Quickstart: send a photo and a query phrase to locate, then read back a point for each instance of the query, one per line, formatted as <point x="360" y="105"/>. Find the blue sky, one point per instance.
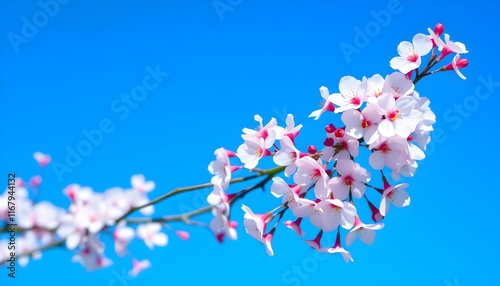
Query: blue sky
<point x="216" y="64"/>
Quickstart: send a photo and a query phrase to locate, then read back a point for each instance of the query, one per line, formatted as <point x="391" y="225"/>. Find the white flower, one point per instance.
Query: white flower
<point x="410" y="53"/>
<point x="122" y="235"/>
<point x="327" y="105"/>
<point x="352" y="94"/>
<point x="401" y="117"/>
<point x="151" y="235"/>
<point x="366" y="232"/>
<point x="352" y="178"/>
<point x="252" y="151"/>
<point x="139" y="266"/>
<point x="395" y="195"/>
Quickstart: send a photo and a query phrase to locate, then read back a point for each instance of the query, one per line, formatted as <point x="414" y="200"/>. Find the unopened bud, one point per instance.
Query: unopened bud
<point x="312" y="149"/>
<point x="438" y="29"/>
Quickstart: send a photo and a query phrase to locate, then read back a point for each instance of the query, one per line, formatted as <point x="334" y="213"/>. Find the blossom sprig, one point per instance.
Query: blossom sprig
<point x="324" y="187"/>
<point x="91" y="215"/>
<point x="385" y="115"/>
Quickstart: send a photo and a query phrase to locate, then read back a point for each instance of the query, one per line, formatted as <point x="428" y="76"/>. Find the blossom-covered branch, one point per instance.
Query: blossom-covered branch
<point x="321" y="186"/>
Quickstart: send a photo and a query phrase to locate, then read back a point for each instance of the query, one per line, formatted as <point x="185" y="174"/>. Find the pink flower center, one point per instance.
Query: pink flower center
<point x="412" y="58"/>
<point x="263" y="133"/>
<point x="385" y="148"/>
<point x="355" y="100"/>
<point x="258" y="152"/>
<point x="316" y="173"/>
<point x="393" y="115"/>
<point x="348" y="181"/>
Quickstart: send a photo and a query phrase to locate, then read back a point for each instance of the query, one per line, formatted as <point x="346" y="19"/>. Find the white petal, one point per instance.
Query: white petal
<point x="367" y="236"/>
<point x="384" y="206"/>
<point x="386" y="128"/>
<point x="405" y="49"/>
<point x="73" y="240"/>
<point x="376" y="160"/>
<point x="279" y="187"/>
<point x="350" y="237"/>
<point x="401" y="199"/>
<point x="160" y="239"/>
<point x="324" y="92"/>
<point x="422" y="44"/>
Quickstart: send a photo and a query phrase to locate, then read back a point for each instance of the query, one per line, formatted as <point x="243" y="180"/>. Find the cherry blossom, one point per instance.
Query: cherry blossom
<point x="352" y="94"/>
<point x="139" y="266"/>
<point x="252" y="151"/>
<point x="221" y="168"/>
<point x="337" y="248"/>
<point x="291" y="131"/>
<point x="217" y="196"/>
<point x="455" y="47"/>
<point x="140" y="184"/>
<point x="339" y="145"/>
<point x="376" y="216"/>
<point x="395" y="195"/>
<point x="310" y="171"/>
<point x="295" y="226"/>
<point x="366" y="232"/>
<point x="151" y="235"/>
<point x="330" y="213"/>
<point x="316" y="242"/>
<point x="288" y="193"/>
<point x="401" y="117"/>
<point x="122" y="235"/>
<point x="386" y="124"/>
<point x="269" y="133"/>
<point x="255" y="224"/>
<point x="408" y="169"/>
<point x="456" y="64"/>
<point x="35" y="181"/>
<point x="392" y="153"/>
<point x="398" y="85"/>
<point x="221" y="226"/>
<point x="424" y="127"/>
<point x="352" y="178"/>
<point x="91" y="256"/>
<point x="374" y="87"/>
<point x="267" y="239"/>
<point x="138" y="196"/>
<point x="362" y="124"/>
<point x="410" y="53"/>
<point x="42" y="159"/>
<point x="287" y="155"/>
<point x="327" y="106"/>
<point x="43" y="214"/>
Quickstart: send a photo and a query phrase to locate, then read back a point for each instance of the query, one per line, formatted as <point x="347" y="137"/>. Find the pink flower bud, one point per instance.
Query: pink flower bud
<point x="184" y="235"/>
<point x="35" y="181"/>
<point x="312" y="149"/>
<point x="328" y="142"/>
<point x="461" y="63"/>
<point x="339" y="133"/>
<point x="438" y="29"/>
<point x="330" y="128"/>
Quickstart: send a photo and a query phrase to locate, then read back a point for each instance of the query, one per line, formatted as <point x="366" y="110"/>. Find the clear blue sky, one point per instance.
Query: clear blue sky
<point x="69" y="73"/>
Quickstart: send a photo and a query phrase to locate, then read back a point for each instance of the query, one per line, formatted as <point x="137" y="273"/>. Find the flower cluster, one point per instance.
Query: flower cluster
<point x="385" y="128"/>
<point x="384" y="115"/>
<point x="79" y="227"/>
